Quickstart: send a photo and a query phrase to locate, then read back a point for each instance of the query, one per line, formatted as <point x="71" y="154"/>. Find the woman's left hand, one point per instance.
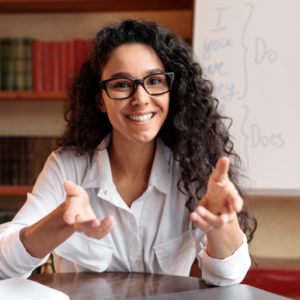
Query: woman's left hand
<point x="221" y="201"/>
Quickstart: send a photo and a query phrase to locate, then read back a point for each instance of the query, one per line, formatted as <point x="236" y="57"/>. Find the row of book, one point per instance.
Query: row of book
<point x="7" y="215"/>
<point x="22" y="158"/>
<point x="30" y="65"/>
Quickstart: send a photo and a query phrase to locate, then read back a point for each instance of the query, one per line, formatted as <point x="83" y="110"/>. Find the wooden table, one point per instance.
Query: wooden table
<point x="117" y="285"/>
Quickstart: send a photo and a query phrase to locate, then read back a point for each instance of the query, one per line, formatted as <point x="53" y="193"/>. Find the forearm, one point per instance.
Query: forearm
<point x="44" y="236"/>
<point x="223" y="242"/>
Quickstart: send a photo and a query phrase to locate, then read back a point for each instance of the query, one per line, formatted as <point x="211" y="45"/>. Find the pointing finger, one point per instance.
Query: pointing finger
<point x="234" y="198"/>
<point x="220" y="173"/>
<point x="73" y="189"/>
<point x="70" y="214"/>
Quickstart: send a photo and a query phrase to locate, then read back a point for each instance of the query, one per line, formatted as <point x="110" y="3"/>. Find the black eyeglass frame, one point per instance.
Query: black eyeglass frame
<point x="103" y="84"/>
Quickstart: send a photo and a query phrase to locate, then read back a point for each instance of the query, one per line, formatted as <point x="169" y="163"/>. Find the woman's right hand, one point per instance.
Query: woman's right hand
<point x="80" y="214"/>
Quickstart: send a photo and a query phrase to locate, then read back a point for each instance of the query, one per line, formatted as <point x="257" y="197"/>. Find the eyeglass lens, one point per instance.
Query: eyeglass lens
<point x="123" y="87"/>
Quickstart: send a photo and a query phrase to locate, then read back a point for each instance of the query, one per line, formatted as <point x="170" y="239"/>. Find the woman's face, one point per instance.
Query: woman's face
<point x="134" y="61"/>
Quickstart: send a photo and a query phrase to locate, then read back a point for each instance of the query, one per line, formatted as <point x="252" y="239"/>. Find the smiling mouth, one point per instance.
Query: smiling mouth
<point x="141" y="118"/>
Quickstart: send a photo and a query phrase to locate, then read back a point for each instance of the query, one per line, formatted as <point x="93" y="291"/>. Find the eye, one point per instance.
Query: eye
<point x="121" y="85"/>
<point x="154" y="81"/>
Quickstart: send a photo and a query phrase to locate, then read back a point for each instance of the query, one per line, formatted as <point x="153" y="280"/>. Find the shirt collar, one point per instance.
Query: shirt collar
<point x="99" y="173"/>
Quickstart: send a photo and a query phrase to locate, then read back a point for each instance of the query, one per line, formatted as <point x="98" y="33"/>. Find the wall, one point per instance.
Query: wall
<point x="277" y="235"/>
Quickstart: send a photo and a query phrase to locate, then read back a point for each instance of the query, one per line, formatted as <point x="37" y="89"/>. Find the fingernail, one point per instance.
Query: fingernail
<point x="225" y="219"/>
<point x="108" y="221"/>
<point x="112" y="224"/>
<point x="202" y="212"/>
<point x="194" y="217"/>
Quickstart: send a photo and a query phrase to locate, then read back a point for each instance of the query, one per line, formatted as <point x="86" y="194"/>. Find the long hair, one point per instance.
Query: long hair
<point x="193" y="129"/>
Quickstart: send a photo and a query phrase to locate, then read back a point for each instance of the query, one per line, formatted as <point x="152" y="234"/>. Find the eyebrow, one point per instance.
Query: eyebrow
<point x="126" y="74"/>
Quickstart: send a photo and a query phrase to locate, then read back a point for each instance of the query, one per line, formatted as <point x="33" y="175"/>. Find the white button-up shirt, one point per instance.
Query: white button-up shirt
<point x="154" y="235"/>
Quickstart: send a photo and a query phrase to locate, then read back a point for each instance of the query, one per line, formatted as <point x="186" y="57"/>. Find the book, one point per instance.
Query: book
<point x="83" y="50"/>
<point x="7" y="215"/>
<point x="29" y="180"/>
<point x="25" y="289"/>
<point x="37" y="80"/>
<point x="7" y="65"/>
<point x="1" y="160"/>
<point x="5" y="160"/>
<point x="13" y="161"/>
<point x="54" y="65"/>
<point x="22" y="160"/>
<point x="27" y="64"/>
<point x="18" y="65"/>
<point x="0" y="64"/>
<point x="37" y="165"/>
<point x="67" y="63"/>
<point x="45" y="66"/>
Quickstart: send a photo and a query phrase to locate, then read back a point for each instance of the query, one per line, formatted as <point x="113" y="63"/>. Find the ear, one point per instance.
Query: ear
<point x="100" y="104"/>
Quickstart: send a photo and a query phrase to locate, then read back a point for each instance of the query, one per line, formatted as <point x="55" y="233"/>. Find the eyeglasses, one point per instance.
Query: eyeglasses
<point x="124" y="88"/>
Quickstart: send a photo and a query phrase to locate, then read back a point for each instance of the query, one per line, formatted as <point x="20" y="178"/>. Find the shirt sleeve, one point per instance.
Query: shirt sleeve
<point x="221" y="272"/>
<point x="47" y="194"/>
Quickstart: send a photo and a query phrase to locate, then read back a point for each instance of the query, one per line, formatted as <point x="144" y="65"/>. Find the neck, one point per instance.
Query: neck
<point x="130" y="159"/>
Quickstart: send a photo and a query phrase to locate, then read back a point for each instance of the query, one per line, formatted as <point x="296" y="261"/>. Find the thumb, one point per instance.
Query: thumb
<point x="220" y="173"/>
<point x="73" y="189"/>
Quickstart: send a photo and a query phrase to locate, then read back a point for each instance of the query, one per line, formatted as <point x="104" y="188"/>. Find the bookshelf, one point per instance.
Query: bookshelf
<point x="32" y="96"/>
<point x="46" y="6"/>
<point x="20" y="190"/>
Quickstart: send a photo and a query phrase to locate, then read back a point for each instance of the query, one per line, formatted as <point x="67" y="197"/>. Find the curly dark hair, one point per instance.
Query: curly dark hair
<point x="193" y="129"/>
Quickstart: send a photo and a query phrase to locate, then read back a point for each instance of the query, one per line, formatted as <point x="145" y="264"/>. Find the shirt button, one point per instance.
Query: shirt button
<point x="131" y="221"/>
<point x="137" y="263"/>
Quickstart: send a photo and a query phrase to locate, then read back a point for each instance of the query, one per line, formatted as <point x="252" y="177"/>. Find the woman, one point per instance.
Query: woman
<point x="122" y="194"/>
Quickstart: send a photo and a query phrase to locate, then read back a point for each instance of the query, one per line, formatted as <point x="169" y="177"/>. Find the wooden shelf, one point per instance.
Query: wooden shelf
<point x="9" y="190"/>
<point x="50" y="6"/>
<point x="33" y="96"/>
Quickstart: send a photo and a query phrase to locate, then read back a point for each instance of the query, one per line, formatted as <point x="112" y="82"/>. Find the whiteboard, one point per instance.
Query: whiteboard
<point x="251" y="52"/>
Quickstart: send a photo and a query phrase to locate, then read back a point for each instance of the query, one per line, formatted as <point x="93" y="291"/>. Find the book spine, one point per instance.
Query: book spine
<point x="62" y="65"/>
<point x="70" y="62"/>
<point x="37" y="80"/>
<point x="1" y="160"/>
<point x="29" y="160"/>
<point x="78" y="55"/>
<point x="6" y="160"/>
<point x="46" y="150"/>
<point x="22" y="160"/>
<point x="27" y="63"/>
<point x="14" y="161"/>
<point x="7" y="216"/>
<point x="37" y="166"/>
<point x="46" y="66"/>
<point x="7" y="65"/>
<point x="0" y="64"/>
<point x="54" y="66"/>
<point x="18" y="64"/>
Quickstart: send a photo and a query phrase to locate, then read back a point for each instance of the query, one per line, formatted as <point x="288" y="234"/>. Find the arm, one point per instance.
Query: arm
<point x="226" y="252"/>
<point x="51" y="214"/>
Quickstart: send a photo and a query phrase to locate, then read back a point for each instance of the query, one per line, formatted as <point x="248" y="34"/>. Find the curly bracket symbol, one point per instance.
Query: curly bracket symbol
<point x="246" y="50"/>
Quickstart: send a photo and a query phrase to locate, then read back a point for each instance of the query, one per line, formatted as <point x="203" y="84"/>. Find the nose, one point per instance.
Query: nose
<point x="140" y="97"/>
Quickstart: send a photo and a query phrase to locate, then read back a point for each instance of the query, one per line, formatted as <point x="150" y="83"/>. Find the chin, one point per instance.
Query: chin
<point x="143" y="137"/>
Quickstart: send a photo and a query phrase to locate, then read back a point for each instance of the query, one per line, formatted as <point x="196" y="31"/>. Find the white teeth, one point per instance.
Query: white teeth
<point x="141" y="118"/>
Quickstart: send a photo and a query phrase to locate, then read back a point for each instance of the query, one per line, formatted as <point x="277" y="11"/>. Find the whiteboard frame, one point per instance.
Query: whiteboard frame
<point x="257" y="191"/>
